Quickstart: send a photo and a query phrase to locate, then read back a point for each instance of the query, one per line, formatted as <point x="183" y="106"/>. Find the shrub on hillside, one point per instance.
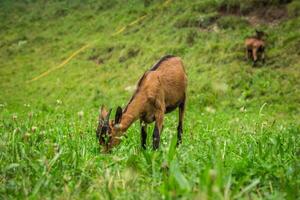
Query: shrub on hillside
<point x="232" y="22"/>
<point x="105" y="5"/>
<point x="187" y="20"/>
<point x="294" y="9"/>
<point x="206" y="6"/>
<point x="206" y="20"/>
<point x="192" y="20"/>
<point x="244" y="7"/>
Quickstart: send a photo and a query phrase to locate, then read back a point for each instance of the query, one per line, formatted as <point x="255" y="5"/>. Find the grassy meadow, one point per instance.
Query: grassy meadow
<point x="241" y="127"/>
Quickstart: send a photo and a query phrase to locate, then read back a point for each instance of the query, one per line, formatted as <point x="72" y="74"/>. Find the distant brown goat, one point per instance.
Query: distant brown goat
<point x="160" y="90"/>
<point x="255" y="47"/>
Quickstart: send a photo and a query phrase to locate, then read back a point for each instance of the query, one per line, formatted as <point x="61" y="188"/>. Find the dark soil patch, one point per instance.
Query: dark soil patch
<point x="269" y="15"/>
<point x="99" y="56"/>
<point x="97" y="59"/>
<point x="272" y="15"/>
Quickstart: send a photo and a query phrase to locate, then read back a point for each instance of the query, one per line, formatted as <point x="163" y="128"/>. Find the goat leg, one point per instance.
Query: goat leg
<point x="180" y="121"/>
<point x="254" y="54"/>
<point x="143" y="134"/>
<point x="157" y="130"/>
<point x="263" y="57"/>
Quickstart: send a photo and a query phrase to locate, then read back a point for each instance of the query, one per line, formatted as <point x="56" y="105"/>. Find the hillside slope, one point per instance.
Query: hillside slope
<point x="210" y="44"/>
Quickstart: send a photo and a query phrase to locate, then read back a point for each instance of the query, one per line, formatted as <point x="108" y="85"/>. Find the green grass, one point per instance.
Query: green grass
<point x="241" y="129"/>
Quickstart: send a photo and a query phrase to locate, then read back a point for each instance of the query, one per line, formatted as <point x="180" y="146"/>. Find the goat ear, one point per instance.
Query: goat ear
<point x="118" y="115"/>
<point x="107" y="117"/>
<point x="103" y="112"/>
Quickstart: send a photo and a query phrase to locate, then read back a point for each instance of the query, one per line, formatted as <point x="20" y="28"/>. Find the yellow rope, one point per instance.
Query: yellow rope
<point x="87" y="45"/>
<point x="130" y="24"/>
<point x="60" y="65"/>
<point x="119" y="31"/>
<point x="137" y="20"/>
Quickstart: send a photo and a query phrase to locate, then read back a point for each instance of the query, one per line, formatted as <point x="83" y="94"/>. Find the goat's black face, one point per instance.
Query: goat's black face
<point x="107" y="129"/>
<point x="103" y="130"/>
<point x="260" y="34"/>
<point x="102" y="133"/>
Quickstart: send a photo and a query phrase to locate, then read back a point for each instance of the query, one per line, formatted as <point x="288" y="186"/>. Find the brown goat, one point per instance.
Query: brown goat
<point x="255" y="47"/>
<point x="160" y="90"/>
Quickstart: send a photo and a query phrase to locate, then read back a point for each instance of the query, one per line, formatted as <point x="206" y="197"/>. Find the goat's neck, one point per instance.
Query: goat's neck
<point x="131" y="114"/>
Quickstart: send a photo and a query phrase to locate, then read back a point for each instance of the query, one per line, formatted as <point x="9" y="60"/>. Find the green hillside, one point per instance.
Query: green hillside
<point x="61" y="60"/>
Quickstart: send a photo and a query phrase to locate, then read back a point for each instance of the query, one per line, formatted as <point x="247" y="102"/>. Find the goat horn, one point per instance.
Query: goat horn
<point x="107" y="116"/>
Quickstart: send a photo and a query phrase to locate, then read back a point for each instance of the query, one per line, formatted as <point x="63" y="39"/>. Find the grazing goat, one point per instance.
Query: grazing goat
<point x="255" y="47"/>
<point x="160" y="90"/>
